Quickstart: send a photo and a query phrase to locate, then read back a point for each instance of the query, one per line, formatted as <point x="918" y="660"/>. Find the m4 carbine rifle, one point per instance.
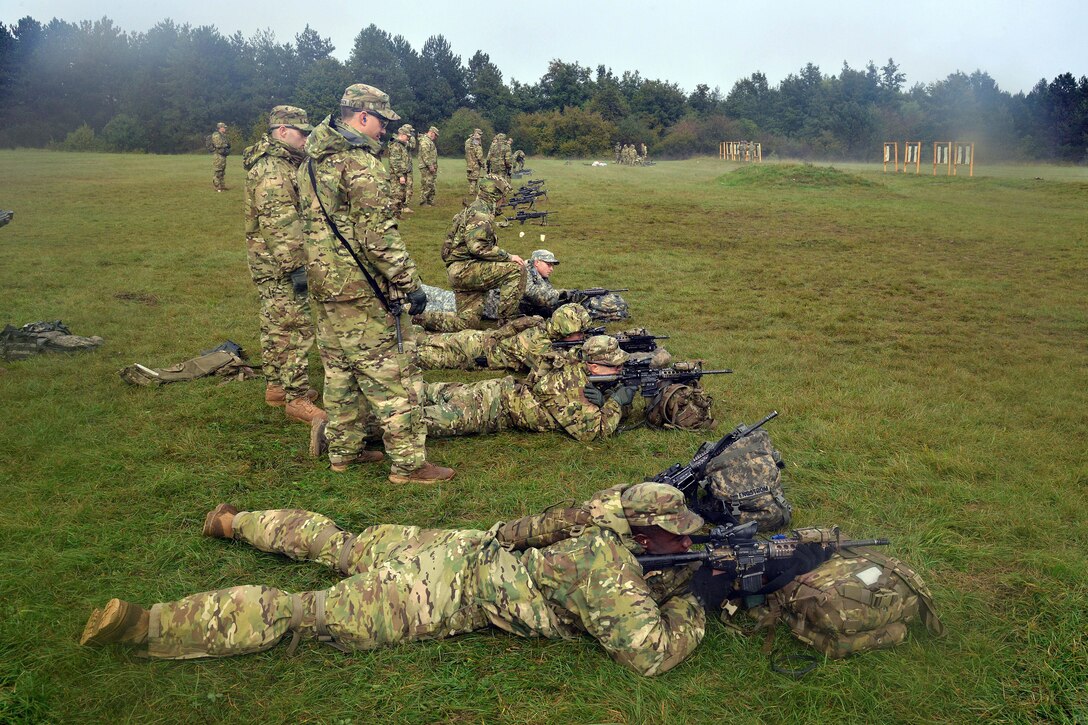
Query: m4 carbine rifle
<point x="638" y="342"/>
<point x="736" y="551"/>
<point x="650" y="380"/>
<point x="524" y="216"/>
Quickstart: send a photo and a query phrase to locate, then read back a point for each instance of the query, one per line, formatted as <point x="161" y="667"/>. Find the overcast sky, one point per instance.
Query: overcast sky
<point x="715" y="43"/>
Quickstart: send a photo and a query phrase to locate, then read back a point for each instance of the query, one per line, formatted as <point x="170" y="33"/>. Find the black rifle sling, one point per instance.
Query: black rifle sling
<point x="358" y="262"/>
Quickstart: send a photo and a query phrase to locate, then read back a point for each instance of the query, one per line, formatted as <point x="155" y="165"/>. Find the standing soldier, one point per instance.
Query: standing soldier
<point x="400" y="166"/>
<point x="474" y="160"/>
<point x="617" y="148"/>
<point x="277" y="261"/>
<point x="494" y="154"/>
<point x="428" y="166"/>
<point x="475" y="263"/>
<point x="506" y="160"/>
<point x="645" y="153"/>
<point x="220" y="149"/>
<point x="359" y="272"/>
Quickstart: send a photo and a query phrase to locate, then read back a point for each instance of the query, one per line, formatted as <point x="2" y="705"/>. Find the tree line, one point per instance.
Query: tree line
<point x="91" y="85"/>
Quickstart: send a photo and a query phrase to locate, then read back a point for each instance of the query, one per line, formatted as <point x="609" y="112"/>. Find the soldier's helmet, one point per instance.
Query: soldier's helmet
<point x="659" y="504"/>
<point x="290" y="116"/>
<point x="603" y="350"/>
<point x="493" y="187"/>
<point x="567" y="320"/>
<point x="368" y="98"/>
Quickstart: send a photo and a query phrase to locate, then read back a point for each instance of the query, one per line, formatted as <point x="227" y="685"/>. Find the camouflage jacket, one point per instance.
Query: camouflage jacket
<point x="355" y="189"/>
<point x="428" y="154"/>
<point x="273" y="227"/>
<point x="541" y="298"/>
<point x="555" y="389"/>
<point x="472" y="236"/>
<point x="400" y="158"/>
<point x="494" y="155"/>
<point x="220" y="144"/>
<point x="474" y="155"/>
<point x="506" y="157"/>
<point x="594" y="584"/>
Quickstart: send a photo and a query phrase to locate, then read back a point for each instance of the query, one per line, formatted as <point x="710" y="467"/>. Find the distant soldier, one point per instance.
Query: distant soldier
<point x="277" y="261"/>
<point x="506" y="159"/>
<point x="220" y="150"/>
<point x="645" y="153"/>
<point x="750" y="151"/>
<point x="618" y="149"/>
<point x="474" y="160"/>
<point x="400" y="166"/>
<point x="475" y="263"/>
<point x="428" y="166"/>
<point x="519" y="161"/>
<point x="494" y="154"/>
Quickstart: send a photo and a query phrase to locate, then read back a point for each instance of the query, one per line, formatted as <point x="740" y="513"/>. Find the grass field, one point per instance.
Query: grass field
<point x="924" y="339"/>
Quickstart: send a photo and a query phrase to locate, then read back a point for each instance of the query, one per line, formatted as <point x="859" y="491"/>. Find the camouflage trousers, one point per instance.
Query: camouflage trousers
<point x="219" y="169"/>
<point x="451" y="350"/>
<point x="402" y="193"/>
<point x="472" y="280"/>
<point x="369" y="386"/>
<point x="488" y="406"/>
<point x="287" y="336"/>
<point x="406" y="584"/>
<point x="426" y="185"/>
<point x="473" y="182"/>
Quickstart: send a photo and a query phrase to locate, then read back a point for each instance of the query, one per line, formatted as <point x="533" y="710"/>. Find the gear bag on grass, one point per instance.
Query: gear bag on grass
<point x="744" y="484"/>
<point x="226" y="361"/>
<point x="857" y="601"/>
<point x="681" y="406"/>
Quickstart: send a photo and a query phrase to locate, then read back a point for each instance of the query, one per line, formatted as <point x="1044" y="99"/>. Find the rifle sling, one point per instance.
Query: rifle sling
<point x="358" y="262"/>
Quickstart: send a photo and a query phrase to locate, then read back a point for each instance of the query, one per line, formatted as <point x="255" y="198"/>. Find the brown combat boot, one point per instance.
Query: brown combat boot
<point x="276" y="396"/>
<point x="427" y="473"/>
<point x="361" y="457"/>
<point x="219" y="523"/>
<point x="319" y="442"/>
<point x="303" y="410"/>
<point x="118" y="621"/>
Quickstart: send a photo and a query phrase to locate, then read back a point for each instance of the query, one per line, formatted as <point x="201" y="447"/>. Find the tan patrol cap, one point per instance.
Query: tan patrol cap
<point x="659" y="504"/>
<point x="290" y="116"/>
<point x="603" y="350"/>
<point x="369" y="98"/>
<point x="433" y="130"/>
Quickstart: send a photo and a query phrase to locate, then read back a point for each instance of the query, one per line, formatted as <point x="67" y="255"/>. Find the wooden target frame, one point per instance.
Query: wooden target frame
<point x="942" y="156"/>
<point x="912" y="154"/>
<point x="891" y="153"/>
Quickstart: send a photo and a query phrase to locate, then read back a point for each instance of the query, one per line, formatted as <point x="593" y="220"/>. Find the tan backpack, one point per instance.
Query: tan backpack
<point x="683" y="407"/>
<point x="744" y="484"/>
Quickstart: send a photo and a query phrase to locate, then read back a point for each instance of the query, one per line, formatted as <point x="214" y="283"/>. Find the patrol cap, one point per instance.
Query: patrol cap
<point x="659" y="504"/>
<point x="369" y="98"/>
<point x="290" y="116"/>
<point x="220" y="125"/>
<point x="544" y="256"/>
<point x="477" y="132"/>
<point x="603" y="350"/>
<point x="406" y="129"/>
<point x="433" y="130"/>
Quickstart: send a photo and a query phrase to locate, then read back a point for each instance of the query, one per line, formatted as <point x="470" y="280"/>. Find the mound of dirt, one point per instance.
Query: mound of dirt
<point x="803" y="176"/>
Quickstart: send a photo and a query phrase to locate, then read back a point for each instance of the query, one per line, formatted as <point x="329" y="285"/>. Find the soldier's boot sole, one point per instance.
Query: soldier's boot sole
<point x="319" y="442"/>
<point x="363" y="457"/>
<point x="427" y="473"/>
<point x="118" y="621"/>
<point x="215" y="523"/>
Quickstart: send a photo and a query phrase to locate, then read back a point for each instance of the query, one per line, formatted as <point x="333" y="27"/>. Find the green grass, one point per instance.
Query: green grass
<point x="923" y="338"/>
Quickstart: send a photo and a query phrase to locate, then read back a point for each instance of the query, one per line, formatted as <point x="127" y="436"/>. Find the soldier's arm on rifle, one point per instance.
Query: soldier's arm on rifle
<point x="561" y="392"/>
<point x="376" y="228"/>
<point x="276" y="204"/>
<point x="618" y="608"/>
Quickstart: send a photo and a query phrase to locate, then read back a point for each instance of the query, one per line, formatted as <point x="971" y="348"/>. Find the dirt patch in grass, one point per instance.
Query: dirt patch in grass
<point x="144" y="298"/>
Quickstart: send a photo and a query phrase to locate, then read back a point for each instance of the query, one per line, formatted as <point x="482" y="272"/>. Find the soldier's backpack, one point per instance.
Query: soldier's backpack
<point x="744" y="484"/>
<point x="681" y="406"/>
<point x="35" y="338"/>
<point x="226" y="361"/>
<point x="857" y="601"/>
<point x="607" y="308"/>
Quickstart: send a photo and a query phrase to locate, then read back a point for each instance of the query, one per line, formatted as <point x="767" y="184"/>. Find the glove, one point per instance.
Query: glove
<point x="624" y="394"/>
<point x="417" y="301"/>
<point x="298" y="281"/>
<point x="593" y="395"/>
<point x="711" y="590"/>
<point x="806" y="557"/>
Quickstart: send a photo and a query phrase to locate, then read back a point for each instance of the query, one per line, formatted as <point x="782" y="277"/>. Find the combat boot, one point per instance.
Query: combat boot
<point x="118" y="621"/>
<point x="303" y="410"/>
<point x="427" y="473"/>
<point x="219" y="523"/>
<point x="276" y="396"/>
<point x="361" y="457"/>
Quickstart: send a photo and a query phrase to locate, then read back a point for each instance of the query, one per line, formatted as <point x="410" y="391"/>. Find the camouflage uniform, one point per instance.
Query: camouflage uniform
<point x="275" y="249"/>
<point x="220" y="150"/>
<point x="474" y="160"/>
<point x="407" y="584"/>
<point x="400" y="166"/>
<point x="363" y="369"/>
<point x="428" y="167"/>
<point x="506" y="160"/>
<point x="519" y="160"/>
<point x="617" y="149"/>
<point x="496" y="157"/>
<point x="475" y="263"/>
<point x="497" y="349"/>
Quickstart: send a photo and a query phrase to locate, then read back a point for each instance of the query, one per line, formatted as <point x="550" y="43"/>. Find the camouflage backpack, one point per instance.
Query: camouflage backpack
<point x="859" y="601"/>
<point x="744" y="484"/>
<point x="607" y="308"/>
<point x="681" y="406"/>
